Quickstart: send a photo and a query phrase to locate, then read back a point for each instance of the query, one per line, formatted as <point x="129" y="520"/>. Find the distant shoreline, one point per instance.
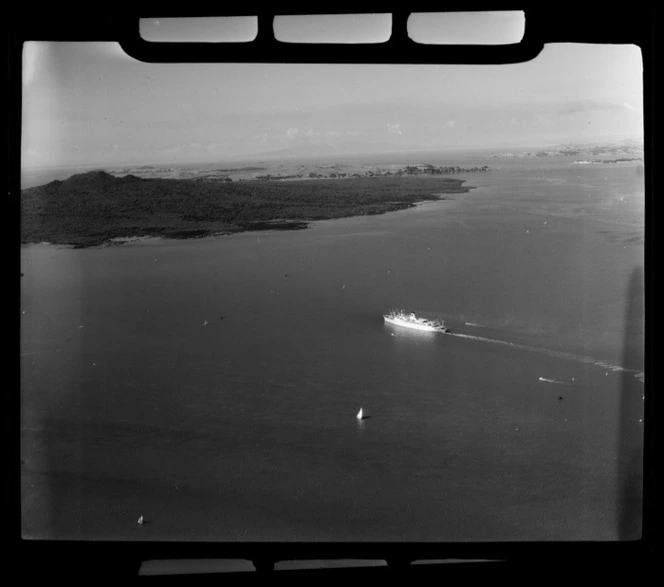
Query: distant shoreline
<point x="295" y="172"/>
<point x="98" y="209"/>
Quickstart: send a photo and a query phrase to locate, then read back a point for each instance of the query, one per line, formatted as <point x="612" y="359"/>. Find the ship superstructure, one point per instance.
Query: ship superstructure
<point x="409" y="320"/>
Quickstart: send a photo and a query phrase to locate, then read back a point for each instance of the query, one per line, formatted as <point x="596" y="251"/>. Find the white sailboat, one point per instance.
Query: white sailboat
<point x="140" y="521"/>
<point x="360" y="414"/>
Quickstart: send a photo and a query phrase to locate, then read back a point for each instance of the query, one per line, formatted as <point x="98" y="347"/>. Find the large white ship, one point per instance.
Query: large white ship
<point x="409" y="320"/>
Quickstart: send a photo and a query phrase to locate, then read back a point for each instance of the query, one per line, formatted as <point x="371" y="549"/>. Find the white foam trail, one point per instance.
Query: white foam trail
<point x="41" y="352"/>
<point x="551" y="353"/>
<point x="545" y="380"/>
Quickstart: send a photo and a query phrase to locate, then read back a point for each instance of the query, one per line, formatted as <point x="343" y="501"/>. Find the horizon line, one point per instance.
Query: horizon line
<point x="277" y="154"/>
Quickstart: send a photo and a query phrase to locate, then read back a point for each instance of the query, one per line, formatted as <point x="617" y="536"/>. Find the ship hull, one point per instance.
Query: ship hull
<point x="413" y="325"/>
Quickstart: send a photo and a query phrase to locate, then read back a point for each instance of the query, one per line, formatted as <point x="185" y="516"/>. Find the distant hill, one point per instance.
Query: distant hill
<point x="94" y="208"/>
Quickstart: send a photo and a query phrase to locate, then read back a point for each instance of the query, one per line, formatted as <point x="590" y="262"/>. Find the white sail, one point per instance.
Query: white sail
<point x="360" y="415"/>
<point x="140" y="521"/>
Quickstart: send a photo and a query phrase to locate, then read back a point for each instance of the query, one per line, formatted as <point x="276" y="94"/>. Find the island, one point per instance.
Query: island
<point x="280" y="171"/>
<point x="627" y="150"/>
<point x="97" y="208"/>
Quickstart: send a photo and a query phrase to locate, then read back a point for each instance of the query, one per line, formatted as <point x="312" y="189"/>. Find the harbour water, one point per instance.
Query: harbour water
<point x="212" y="385"/>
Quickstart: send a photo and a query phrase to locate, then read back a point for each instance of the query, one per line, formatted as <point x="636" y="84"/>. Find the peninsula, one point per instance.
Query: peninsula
<point x="96" y="208"/>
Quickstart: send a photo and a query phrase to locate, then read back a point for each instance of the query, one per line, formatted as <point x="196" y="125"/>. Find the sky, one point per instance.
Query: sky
<point x="91" y="104"/>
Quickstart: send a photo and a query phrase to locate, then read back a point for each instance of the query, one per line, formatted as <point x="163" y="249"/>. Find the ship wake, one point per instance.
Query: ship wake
<point x="556" y="354"/>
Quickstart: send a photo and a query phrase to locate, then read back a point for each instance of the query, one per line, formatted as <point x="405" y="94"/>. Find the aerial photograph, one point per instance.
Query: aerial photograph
<point x="330" y="302"/>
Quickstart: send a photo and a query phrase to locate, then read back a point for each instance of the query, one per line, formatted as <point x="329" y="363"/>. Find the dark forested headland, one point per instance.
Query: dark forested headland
<point x="93" y="208"/>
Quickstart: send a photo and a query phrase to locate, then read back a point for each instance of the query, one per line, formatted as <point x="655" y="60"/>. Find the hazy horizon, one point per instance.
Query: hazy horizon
<point x="284" y="157"/>
<point x="89" y="104"/>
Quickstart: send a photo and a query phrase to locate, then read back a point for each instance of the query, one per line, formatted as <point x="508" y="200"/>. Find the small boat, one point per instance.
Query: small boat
<point x="140" y="521"/>
<point x="360" y="415"/>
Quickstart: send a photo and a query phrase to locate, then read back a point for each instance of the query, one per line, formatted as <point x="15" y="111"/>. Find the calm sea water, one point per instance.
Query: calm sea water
<point x="211" y="385"/>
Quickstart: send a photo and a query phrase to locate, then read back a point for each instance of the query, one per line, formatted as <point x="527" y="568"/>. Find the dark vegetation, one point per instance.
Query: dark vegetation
<point x="622" y="160"/>
<point x="90" y="209"/>
<point x="423" y="169"/>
